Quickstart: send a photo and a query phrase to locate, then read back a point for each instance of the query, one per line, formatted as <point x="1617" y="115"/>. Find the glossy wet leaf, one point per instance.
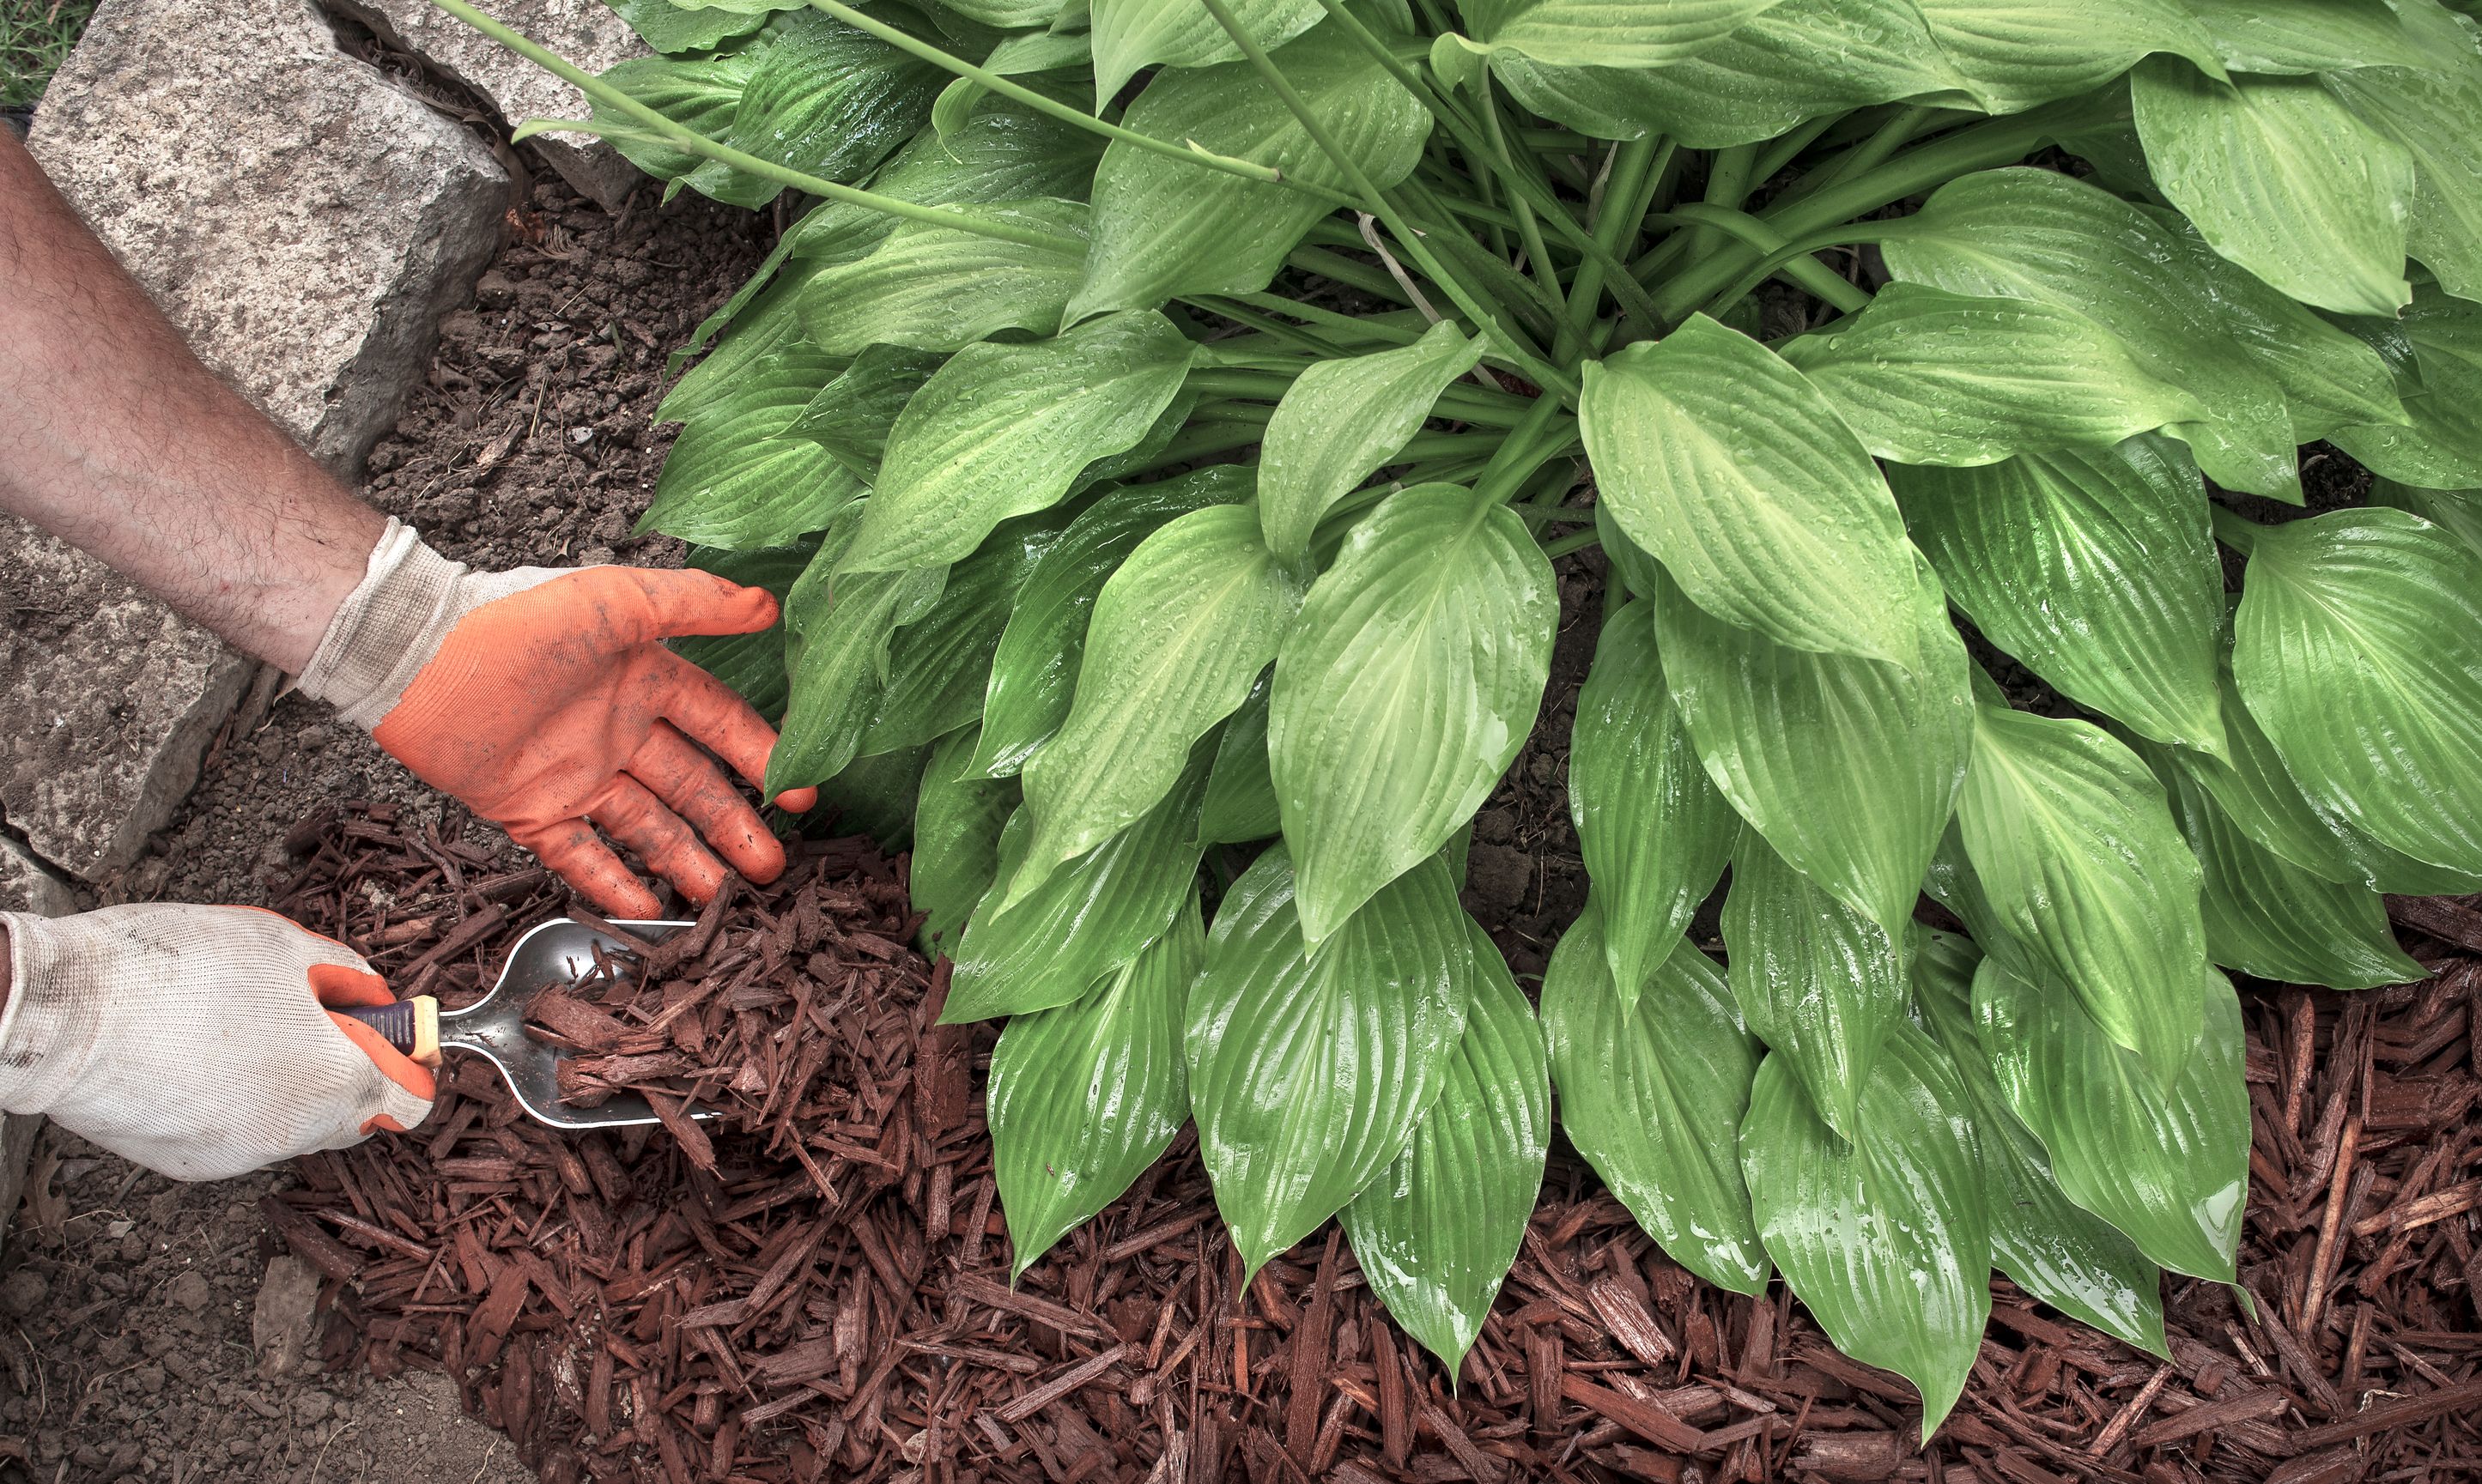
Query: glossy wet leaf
<point x="1308" y="1073"/>
<point x="737" y="478"/>
<point x="2093" y="567"/>
<point x="1606" y="33"/>
<point x="1241" y="792"/>
<point x="2429" y="106"/>
<point x="2080" y="857"/>
<point x="1653" y="831"/>
<point x="2307" y="36"/>
<point x="830" y="100"/>
<point x="851" y="415"/>
<point x="1437" y="1231"/>
<point x="1132" y="35"/>
<point x="2443" y="448"/>
<point x="2039" y="235"/>
<point x="939" y="664"/>
<point x="2268" y="917"/>
<point x="1005" y="153"/>
<point x="956" y="823"/>
<point x="2338" y="651"/>
<point x="2054" y="1249"/>
<point x="1179" y="635"/>
<point x="2168" y="1167"/>
<point x="700" y="93"/>
<point x="669" y="27"/>
<point x="839" y="627"/>
<point x="1800" y="60"/>
<point x="2457" y="511"/>
<point x="1003" y="429"/>
<point x="1341" y="421"/>
<point x="1927" y="377"/>
<point x="1822" y="985"/>
<point x="1034" y="675"/>
<point x="1022" y="55"/>
<point x="1884" y="1238"/>
<point x="1408" y="681"/>
<point x="938" y="288"/>
<point x="1164" y="226"/>
<point x="2283" y="180"/>
<point x="1089" y="919"/>
<point x="1653" y="1094"/>
<point x="1848" y="766"/>
<point x="1084" y="1097"/>
<point x="1737" y="474"/>
<point x="753" y="664"/>
<point x="2013" y="54"/>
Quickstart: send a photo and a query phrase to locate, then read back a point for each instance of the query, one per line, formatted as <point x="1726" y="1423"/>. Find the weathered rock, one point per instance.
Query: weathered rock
<point x="304" y="222"/>
<point x="584" y="32"/>
<point x="28" y="885"/>
<point x="107" y="704"/>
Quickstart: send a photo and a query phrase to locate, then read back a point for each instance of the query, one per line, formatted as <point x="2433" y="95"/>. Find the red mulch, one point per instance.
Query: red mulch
<point x="827" y="1299"/>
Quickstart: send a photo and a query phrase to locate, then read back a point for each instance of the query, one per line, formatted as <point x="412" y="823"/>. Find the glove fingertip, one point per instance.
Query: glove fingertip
<point x="797" y="800"/>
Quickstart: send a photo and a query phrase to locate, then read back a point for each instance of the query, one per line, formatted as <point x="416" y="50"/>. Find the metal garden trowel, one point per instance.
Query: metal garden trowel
<point x="554" y="955"/>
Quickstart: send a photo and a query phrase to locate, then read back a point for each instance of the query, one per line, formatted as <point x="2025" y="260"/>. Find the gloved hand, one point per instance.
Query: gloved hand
<point x="544" y="699"/>
<point x="193" y="1039"/>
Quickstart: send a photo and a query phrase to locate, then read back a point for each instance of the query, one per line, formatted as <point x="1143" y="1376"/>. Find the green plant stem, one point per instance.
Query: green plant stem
<point x="1246" y="170"/>
<point x="1523" y="451"/>
<point x="1792" y="252"/>
<point x="1574" y="541"/>
<point x="1291" y="336"/>
<point x="1463" y="404"/>
<point x="1873" y="152"/>
<point x="1808" y="271"/>
<point x="953" y="217"/>
<point x="1634" y="165"/>
<point x="1923" y="168"/>
<point x="1511" y="342"/>
<point x="1346" y="270"/>
<point x="1783" y="151"/>
<point x="2233" y="529"/>
<point x="1529" y="231"/>
<point x="1349" y="329"/>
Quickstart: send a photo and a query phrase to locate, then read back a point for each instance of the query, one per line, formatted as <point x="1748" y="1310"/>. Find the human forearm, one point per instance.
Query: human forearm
<point x="115" y="438"/>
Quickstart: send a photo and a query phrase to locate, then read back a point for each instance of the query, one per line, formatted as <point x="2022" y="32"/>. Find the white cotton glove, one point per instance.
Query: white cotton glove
<point x="195" y="1040"/>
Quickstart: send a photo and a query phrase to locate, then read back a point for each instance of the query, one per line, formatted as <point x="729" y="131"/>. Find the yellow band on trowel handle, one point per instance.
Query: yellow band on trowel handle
<point x="410" y="1025"/>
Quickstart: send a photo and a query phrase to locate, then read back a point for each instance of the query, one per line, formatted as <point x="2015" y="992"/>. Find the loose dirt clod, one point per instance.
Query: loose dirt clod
<point x="819" y="1292"/>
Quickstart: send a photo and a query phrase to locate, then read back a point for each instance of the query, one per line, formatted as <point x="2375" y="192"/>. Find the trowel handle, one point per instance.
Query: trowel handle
<point x="410" y="1025"/>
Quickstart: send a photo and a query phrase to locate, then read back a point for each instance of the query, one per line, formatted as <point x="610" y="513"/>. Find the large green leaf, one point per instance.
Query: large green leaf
<point x="1164" y="226"/>
<point x="735" y="478"/>
<point x="2094" y="567"/>
<point x="851" y="415"/>
<point x="1821" y="984"/>
<point x="2443" y="448"/>
<point x="1849" y="766"/>
<point x="1884" y="1237"/>
<point x="1653" y="831"/>
<point x="2353" y="648"/>
<point x="2169" y="1167"/>
<point x="938" y="664"/>
<point x="753" y="664"/>
<point x="936" y="288"/>
<point x="669" y="27"/>
<point x="2431" y="107"/>
<point x="1403" y="690"/>
<point x="1736" y="472"/>
<point x="1006" y="152"/>
<point x="2283" y="180"/>
<point x="700" y="93"/>
<point x="1241" y="792"/>
<point x="2253" y="788"/>
<point x="1653" y="1094"/>
<point x="1091" y="917"/>
<point x="1342" y="420"/>
<point x="1606" y="33"/>
<point x="1034" y="675"/>
<point x="1084" y="1097"/>
<point x="2039" y="235"/>
<point x="1132" y="35"/>
<point x="2307" y="36"/>
<point x="2017" y="53"/>
<point x="2267" y="917"/>
<point x="1002" y="429"/>
<point x="956" y="823"/>
<point x="1179" y="635"/>
<point x="1308" y="1073"/>
<point x="2056" y="1250"/>
<point x="839" y="627"/>
<point x="2080" y="857"/>
<point x="830" y="100"/>
<point x="1797" y="60"/>
<point x="1435" y="1234"/>
<point x="1024" y="54"/>
<point x="1927" y="377"/>
<point x="2458" y="512"/>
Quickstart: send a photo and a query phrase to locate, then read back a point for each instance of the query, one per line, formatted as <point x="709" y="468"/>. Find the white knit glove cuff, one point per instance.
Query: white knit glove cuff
<point x="49" y="1025"/>
<point x="392" y="623"/>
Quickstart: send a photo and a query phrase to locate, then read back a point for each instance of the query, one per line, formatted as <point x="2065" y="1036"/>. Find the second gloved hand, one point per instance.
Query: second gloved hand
<point x="546" y="701"/>
<point x="198" y="1040"/>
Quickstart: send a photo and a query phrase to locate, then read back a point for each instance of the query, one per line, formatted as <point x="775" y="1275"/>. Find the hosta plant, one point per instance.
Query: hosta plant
<point x="1161" y="419"/>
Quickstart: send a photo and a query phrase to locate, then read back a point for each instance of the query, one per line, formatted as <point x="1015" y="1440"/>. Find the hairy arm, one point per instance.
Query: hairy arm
<point x="116" y="439"/>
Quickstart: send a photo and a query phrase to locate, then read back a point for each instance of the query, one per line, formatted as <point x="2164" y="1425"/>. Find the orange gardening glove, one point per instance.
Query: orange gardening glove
<point x="199" y="1041"/>
<point x="546" y="701"/>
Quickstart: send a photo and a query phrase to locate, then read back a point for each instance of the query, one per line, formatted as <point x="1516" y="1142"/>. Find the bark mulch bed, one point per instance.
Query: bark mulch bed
<point x="820" y="1292"/>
